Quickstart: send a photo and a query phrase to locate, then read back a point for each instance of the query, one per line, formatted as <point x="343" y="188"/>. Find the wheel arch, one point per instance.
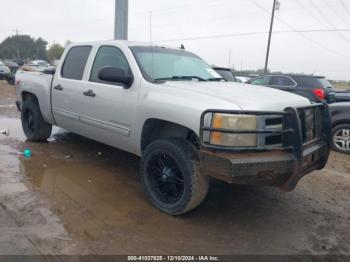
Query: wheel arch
<point x="41" y="101"/>
<point x="340" y="122"/>
<point x="25" y="95"/>
<point x="154" y="129"/>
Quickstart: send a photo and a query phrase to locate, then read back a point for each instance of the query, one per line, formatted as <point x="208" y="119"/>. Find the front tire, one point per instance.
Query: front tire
<point x="171" y="176"/>
<point x="341" y="138"/>
<point x="34" y="126"/>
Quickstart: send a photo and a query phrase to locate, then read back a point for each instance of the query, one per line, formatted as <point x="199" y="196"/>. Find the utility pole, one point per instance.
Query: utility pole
<point x="276" y="6"/>
<point x="121" y="19"/>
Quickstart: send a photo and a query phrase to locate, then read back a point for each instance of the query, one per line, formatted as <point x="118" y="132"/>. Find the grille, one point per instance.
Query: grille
<point x="311" y="123"/>
<point x="273" y="123"/>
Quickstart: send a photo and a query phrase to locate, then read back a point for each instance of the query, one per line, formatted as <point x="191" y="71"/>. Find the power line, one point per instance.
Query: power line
<point x="336" y="13"/>
<point x="255" y="33"/>
<point x="226" y="16"/>
<point x="301" y="33"/>
<point x="345" y="6"/>
<point x="311" y="13"/>
<point x="162" y="10"/>
<point x="328" y="22"/>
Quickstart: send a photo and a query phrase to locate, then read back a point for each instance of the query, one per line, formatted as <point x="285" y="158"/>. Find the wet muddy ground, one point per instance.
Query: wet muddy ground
<point x="76" y="196"/>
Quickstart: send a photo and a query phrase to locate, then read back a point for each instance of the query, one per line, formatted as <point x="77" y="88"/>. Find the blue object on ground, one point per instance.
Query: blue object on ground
<point x="27" y="153"/>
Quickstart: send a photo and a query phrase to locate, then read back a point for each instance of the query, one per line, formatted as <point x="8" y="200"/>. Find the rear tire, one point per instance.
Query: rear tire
<point x="171" y="176"/>
<point x="34" y="126"/>
<point x="341" y="138"/>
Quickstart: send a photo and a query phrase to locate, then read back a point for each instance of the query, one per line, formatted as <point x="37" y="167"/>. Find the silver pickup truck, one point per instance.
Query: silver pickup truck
<point x="172" y="109"/>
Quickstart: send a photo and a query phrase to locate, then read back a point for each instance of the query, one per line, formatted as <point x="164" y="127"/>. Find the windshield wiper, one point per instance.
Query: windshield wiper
<point x="217" y="79"/>
<point x="180" y="78"/>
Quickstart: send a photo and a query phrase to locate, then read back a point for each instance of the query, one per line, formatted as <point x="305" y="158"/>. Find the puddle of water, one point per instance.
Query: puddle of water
<point x="15" y="129"/>
<point x="100" y="200"/>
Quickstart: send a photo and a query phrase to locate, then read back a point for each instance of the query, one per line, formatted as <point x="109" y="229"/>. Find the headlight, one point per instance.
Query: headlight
<point x="231" y="122"/>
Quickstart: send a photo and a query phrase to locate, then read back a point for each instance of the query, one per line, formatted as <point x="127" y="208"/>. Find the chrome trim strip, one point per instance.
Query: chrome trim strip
<point x="115" y="128"/>
<point x="66" y="114"/>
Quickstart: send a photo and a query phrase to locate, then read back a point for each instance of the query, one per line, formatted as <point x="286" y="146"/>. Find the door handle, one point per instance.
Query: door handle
<point x="58" y="87"/>
<point x="89" y="93"/>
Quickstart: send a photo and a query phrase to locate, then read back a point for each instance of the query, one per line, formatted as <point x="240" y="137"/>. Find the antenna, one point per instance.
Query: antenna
<point x="229" y="58"/>
<point x="150" y="26"/>
<point x="151" y="40"/>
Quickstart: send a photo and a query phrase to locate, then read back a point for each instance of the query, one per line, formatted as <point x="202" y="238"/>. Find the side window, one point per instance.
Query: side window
<point x="288" y="82"/>
<point x="112" y="57"/>
<point x="75" y="62"/>
<point x="261" y="81"/>
<point x="281" y="81"/>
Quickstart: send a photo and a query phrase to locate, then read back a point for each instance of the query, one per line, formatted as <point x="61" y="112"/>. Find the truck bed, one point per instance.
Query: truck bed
<point x="39" y="84"/>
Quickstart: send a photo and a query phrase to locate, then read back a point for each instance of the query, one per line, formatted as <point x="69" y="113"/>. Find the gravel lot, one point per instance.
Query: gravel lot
<point x="76" y="196"/>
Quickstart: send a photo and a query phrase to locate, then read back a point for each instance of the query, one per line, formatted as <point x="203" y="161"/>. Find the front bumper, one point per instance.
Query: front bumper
<point x="305" y="147"/>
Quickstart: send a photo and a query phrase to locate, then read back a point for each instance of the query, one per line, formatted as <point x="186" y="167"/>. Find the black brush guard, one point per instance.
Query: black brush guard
<point x="305" y="147"/>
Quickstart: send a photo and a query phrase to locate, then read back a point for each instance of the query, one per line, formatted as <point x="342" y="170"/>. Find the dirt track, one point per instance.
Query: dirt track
<point x="76" y="196"/>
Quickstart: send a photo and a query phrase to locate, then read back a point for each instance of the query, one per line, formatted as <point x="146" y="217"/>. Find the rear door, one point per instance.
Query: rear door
<point x="284" y="83"/>
<point x="67" y="88"/>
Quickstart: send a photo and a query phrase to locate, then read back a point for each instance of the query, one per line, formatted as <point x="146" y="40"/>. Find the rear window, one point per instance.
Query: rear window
<point x="226" y="74"/>
<point x="325" y="83"/>
<point x="75" y="62"/>
<point x="312" y="82"/>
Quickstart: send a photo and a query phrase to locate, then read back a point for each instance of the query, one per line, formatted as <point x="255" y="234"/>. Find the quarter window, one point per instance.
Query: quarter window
<point x="75" y="62"/>
<point x="109" y="56"/>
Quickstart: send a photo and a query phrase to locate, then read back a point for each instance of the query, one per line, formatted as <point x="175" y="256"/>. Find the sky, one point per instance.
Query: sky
<point x="222" y="32"/>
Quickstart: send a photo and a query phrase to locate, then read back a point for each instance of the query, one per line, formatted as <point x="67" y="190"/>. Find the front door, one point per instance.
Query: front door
<point x="109" y="109"/>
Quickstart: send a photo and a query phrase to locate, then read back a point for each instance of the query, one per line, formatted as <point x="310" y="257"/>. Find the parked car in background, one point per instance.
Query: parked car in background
<point x="19" y="61"/>
<point x="243" y="79"/>
<point x="315" y="88"/>
<point x="225" y="73"/>
<point x="13" y="66"/>
<point x="170" y="107"/>
<point x="341" y="127"/>
<point x="4" y="71"/>
<point x="342" y="96"/>
<point x="37" y="65"/>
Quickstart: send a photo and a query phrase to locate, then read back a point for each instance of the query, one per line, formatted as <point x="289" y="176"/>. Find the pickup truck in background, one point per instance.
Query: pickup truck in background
<point x="172" y="109"/>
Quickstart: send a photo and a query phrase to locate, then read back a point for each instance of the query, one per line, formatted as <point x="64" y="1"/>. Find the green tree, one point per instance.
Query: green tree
<point x="55" y="52"/>
<point x="23" y="46"/>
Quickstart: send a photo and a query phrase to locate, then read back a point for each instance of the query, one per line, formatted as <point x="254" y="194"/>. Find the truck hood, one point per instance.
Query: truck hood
<point x="247" y="97"/>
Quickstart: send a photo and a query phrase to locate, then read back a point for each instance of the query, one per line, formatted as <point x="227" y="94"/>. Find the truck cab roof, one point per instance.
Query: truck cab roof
<point x="125" y="43"/>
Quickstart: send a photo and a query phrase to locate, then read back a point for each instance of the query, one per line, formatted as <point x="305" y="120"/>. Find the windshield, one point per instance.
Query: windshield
<point x="161" y="64"/>
<point x="1" y="63"/>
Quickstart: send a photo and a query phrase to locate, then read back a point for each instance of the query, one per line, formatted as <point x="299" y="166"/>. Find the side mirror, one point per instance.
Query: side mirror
<point x="50" y="71"/>
<point x="115" y="75"/>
